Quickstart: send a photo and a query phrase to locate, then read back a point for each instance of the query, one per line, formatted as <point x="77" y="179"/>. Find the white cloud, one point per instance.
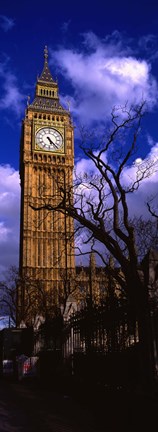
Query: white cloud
<point x="148" y="45"/>
<point x="148" y="187"/>
<point x="6" y="321"/>
<point x="6" y="23"/>
<point x="104" y="74"/>
<point x="10" y="208"/>
<point x="150" y="140"/>
<point x="9" y="217"/>
<point x="4" y="232"/>
<point x="11" y="97"/>
<point x="84" y="166"/>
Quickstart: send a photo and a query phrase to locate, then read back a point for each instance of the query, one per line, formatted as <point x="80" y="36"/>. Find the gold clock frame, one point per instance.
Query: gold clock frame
<point x="37" y="126"/>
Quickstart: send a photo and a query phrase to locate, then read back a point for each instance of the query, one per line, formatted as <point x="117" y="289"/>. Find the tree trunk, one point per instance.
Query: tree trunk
<point x="140" y="303"/>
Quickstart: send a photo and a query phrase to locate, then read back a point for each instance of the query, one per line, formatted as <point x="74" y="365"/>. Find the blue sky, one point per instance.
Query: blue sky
<point x="103" y="53"/>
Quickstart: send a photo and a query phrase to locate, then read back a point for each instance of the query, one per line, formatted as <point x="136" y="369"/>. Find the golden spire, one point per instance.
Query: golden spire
<point x="46" y="54"/>
<point x="46" y="75"/>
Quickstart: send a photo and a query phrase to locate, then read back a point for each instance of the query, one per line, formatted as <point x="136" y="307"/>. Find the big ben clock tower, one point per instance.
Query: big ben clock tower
<point x="46" y="161"/>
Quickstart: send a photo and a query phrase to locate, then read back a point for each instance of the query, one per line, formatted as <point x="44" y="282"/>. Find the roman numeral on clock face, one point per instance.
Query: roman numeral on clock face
<point x="49" y="139"/>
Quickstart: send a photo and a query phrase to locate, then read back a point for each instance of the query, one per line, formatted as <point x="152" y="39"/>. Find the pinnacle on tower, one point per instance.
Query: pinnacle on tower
<point x="46" y="75"/>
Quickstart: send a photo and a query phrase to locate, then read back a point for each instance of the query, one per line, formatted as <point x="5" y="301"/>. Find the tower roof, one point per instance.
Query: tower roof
<point x="46" y="95"/>
<point x="46" y="76"/>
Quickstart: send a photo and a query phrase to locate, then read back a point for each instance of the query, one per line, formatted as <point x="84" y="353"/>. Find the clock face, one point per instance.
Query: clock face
<point x="49" y="139"/>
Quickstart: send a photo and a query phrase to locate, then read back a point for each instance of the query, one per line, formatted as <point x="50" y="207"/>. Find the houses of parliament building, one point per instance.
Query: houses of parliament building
<point x="47" y="161"/>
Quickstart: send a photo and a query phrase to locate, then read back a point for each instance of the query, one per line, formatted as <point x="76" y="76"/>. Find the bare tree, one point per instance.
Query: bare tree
<point x="8" y="294"/>
<point x="99" y="205"/>
<point x="38" y="304"/>
<point x="146" y="234"/>
<point x="153" y="209"/>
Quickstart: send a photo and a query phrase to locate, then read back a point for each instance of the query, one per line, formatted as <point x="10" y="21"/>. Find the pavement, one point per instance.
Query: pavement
<point x="26" y="407"/>
<point x="31" y="406"/>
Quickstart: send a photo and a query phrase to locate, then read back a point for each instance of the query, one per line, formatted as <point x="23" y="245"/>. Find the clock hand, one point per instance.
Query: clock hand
<point x="51" y="142"/>
<point x="49" y="139"/>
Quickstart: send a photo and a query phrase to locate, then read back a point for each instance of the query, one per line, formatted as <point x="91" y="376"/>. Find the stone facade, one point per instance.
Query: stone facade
<point x="46" y="165"/>
<point x="47" y="259"/>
